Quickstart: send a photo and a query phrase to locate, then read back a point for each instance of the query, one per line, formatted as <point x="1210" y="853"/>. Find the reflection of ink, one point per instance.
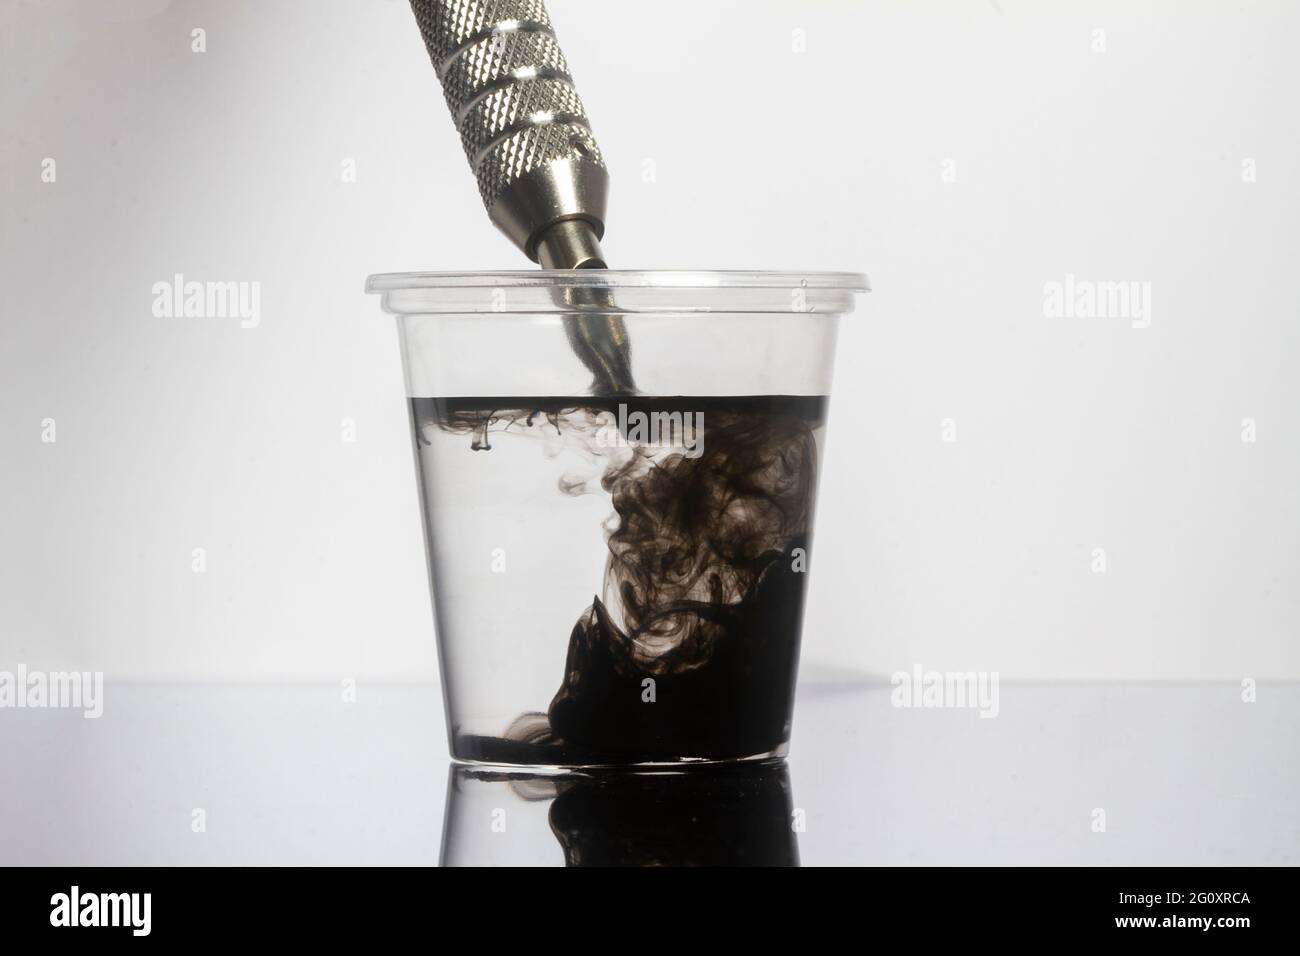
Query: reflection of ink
<point x="703" y="586"/>
<point x="732" y="815"/>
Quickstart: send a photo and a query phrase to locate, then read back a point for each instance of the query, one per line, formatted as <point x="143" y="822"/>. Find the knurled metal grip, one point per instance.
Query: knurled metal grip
<point x="522" y="124"/>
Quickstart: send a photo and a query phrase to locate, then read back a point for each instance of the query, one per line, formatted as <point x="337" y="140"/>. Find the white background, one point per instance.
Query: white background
<point x="175" y="434"/>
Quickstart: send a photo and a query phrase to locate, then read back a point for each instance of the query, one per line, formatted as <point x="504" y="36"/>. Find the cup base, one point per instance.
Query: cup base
<point x="498" y="763"/>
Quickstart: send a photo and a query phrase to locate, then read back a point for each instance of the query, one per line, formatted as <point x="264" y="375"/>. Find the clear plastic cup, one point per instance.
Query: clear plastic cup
<point x="618" y="563"/>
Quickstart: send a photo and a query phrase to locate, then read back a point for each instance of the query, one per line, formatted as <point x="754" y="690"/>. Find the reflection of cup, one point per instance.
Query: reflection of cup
<point x="722" y="815"/>
<point x="618" y="577"/>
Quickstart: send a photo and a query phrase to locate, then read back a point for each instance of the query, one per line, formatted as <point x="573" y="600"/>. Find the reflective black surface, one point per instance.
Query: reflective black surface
<point x="733" y="815"/>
